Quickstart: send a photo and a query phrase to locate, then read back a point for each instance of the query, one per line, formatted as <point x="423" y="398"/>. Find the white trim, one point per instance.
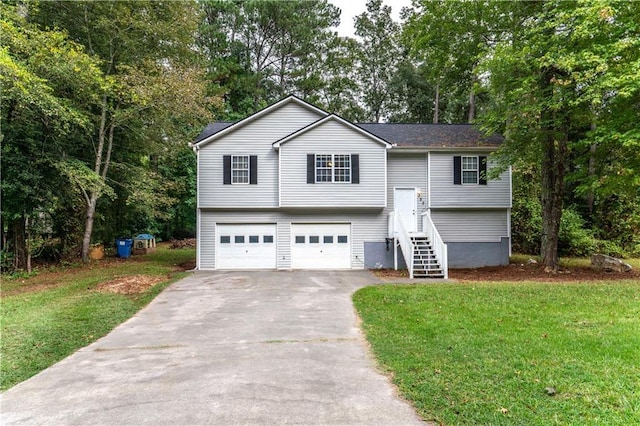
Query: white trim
<point x="257" y="115"/>
<point x="386" y="162"/>
<point x="198" y="212"/>
<point x="428" y="180"/>
<point x="509" y="228"/>
<point x="470" y="207"/>
<point x="331" y="117"/>
<point x="198" y="238"/>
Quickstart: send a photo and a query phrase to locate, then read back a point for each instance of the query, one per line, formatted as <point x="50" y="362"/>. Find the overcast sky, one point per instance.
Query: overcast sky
<point x="351" y="8"/>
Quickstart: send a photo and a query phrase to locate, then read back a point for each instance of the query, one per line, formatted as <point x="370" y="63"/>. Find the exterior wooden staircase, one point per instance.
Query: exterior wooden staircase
<point x="425" y="261"/>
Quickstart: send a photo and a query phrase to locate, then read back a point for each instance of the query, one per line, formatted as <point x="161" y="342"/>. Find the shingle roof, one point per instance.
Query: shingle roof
<point x="408" y="135"/>
<point x="212" y="129"/>
<point x="432" y="135"/>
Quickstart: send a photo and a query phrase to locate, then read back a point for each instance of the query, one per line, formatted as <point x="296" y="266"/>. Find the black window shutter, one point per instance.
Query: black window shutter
<point x="253" y="169"/>
<point x="482" y="167"/>
<point x="226" y="169"/>
<point x="311" y="168"/>
<point x="355" y="168"/>
<point x="457" y="170"/>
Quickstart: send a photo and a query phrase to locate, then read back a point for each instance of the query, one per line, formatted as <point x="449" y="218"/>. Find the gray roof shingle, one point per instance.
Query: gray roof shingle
<point x="408" y="135"/>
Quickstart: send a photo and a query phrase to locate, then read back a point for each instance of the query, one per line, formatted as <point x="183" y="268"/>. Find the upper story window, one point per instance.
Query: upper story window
<point x="470" y="170"/>
<point x="333" y="168"/>
<point x="239" y="169"/>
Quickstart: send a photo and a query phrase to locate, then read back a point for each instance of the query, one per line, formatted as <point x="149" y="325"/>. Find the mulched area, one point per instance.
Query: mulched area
<point x="133" y="284"/>
<point x="521" y="272"/>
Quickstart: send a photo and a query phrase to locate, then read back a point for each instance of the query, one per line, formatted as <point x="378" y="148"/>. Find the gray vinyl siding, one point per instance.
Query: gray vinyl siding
<point x="253" y="138"/>
<point x="206" y="243"/>
<point x="364" y="227"/>
<point x="332" y="137"/>
<point x="407" y="171"/>
<point x="471" y="225"/>
<point x="496" y="193"/>
<point x="284" y="244"/>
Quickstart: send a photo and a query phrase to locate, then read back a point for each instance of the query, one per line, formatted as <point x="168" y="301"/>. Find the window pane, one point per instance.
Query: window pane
<point x="239" y="239"/>
<point x="469" y="177"/>
<point x="328" y="239"/>
<point x="314" y="239"/>
<point x="323" y="168"/>
<point x="469" y="169"/>
<point x="469" y="163"/>
<point x="342" y="239"/>
<point x="267" y="239"/>
<point x="300" y="239"/>
<point x="239" y="169"/>
<point x="225" y="239"/>
<point x="342" y="168"/>
<point x="254" y="239"/>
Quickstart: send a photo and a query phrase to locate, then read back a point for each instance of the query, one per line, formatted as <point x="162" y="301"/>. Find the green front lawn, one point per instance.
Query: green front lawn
<point x="507" y="353"/>
<point x="51" y="314"/>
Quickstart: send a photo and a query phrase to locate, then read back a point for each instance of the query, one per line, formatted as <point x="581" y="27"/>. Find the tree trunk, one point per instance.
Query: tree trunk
<point x="591" y="197"/>
<point x="18" y="237"/>
<point x="88" y="228"/>
<point x="472" y="106"/>
<point x="436" y="106"/>
<point x="102" y="161"/>
<point x="555" y="149"/>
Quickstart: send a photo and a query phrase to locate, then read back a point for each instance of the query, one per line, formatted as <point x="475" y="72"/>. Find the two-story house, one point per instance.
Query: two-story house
<point x="295" y="187"/>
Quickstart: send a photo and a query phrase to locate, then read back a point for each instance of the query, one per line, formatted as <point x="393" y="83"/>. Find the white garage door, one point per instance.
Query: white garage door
<point x="321" y="246"/>
<point x="246" y="246"/>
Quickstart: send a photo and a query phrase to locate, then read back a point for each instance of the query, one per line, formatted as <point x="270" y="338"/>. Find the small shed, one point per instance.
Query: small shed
<point x="144" y="243"/>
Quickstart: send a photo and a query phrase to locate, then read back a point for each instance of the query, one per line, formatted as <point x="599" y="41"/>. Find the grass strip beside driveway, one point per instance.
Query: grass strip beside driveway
<point x="510" y="353"/>
<point x="48" y="316"/>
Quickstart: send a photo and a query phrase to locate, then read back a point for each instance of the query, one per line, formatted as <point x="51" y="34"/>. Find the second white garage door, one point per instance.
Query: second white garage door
<point x="246" y="246"/>
<point x="321" y="246"/>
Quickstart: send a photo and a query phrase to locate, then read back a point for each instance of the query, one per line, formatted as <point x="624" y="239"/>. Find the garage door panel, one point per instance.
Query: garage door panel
<point x="321" y="246"/>
<point x="246" y="246"/>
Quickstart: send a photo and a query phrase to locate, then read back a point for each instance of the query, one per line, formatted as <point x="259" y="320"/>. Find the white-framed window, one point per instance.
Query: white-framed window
<point x="333" y="168"/>
<point x="239" y="169"/>
<point x="469" y="170"/>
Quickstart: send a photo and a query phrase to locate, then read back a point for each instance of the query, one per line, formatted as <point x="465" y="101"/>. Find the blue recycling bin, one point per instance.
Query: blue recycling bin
<point x="124" y="247"/>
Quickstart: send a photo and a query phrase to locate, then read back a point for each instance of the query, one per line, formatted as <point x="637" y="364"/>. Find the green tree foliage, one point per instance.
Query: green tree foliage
<point x="259" y="51"/>
<point x="449" y="39"/>
<point x="378" y="58"/>
<point x="570" y="68"/>
<point x="49" y="86"/>
<point x="153" y="99"/>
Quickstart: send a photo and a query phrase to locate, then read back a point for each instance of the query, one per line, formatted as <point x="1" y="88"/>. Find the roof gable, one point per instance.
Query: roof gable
<point x="214" y="131"/>
<point x="332" y="117"/>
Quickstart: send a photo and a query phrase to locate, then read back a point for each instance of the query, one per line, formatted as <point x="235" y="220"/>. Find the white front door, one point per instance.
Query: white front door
<point x="405" y="206"/>
<point x="321" y="246"/>
<point x="246" y="246"/>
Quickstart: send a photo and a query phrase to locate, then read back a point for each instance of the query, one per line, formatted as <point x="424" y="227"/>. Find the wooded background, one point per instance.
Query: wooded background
<point x="100" y="99"/>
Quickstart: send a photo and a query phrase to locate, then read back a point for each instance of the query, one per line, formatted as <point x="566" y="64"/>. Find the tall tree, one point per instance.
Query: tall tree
<point x="49" y="86"/>
<point x="568" y="66"/>
<point x="378" y="57"/>
<point x="153" y="88"/>
<point x="449" y="39"/>
<point x="261" y="50"/>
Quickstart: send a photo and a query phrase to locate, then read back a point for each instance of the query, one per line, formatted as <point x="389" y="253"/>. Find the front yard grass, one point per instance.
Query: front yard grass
<point x="510" y="353"/>
<point x="49" y="315"/>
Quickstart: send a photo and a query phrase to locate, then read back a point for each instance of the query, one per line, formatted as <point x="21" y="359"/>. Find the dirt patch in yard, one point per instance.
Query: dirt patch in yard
<point x="521" y="272"/>
<point x="133" y="284"/>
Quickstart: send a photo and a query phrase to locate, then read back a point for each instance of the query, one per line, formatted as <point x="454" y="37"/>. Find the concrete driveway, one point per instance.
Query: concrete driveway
<point x="223" y="348"/>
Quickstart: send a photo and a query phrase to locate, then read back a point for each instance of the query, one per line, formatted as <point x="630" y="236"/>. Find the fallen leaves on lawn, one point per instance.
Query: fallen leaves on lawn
<point x="132" y="284"/>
